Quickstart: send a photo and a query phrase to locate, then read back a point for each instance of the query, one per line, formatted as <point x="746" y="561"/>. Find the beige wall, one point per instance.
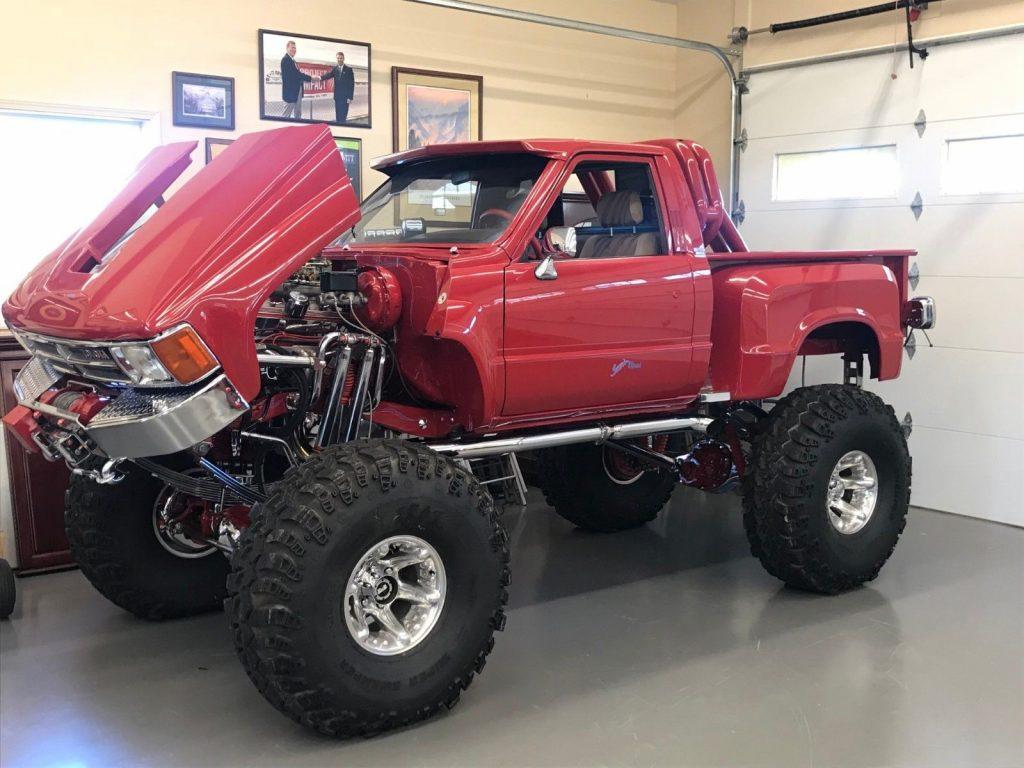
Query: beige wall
<point x="703" y="105"/>
<point x="538" y="81"/>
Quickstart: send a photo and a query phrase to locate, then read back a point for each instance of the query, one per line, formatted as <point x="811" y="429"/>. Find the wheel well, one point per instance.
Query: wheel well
<point x="843" y="337"/>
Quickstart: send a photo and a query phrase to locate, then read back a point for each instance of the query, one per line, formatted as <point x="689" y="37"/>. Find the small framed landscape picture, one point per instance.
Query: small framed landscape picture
<point x="430" y="107"/>
<point x="215" y="146"/>
<point x="352" y="155"/>
<point x="203" y="101"/>
<point x="311" y="79"/>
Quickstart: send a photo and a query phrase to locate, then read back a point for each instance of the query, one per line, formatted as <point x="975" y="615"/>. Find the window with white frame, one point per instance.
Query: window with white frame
<point x="984" y="166"/>
<point x="850" y="173"/>
<point x="59" y="171"/>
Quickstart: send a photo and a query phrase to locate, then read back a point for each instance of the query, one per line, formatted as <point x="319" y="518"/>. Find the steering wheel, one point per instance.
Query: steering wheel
<point x="503" y="214"/>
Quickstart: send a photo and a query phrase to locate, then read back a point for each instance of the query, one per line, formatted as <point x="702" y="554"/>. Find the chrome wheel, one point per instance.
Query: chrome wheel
<point x="852" y="492"/>
<point x="395" y="595"/>
<point x="174" y="513"/>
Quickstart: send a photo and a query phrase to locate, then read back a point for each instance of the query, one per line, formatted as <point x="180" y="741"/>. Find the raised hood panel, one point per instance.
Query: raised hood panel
<point x="209" y="256"/>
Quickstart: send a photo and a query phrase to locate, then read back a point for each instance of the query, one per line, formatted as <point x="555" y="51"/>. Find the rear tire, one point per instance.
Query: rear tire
<point x="836" y="437"/>
<point x="587" y="486"/>
<point x="294" y="613"/>
<point x="8" y="592"/>
<point x="110" y="530"/>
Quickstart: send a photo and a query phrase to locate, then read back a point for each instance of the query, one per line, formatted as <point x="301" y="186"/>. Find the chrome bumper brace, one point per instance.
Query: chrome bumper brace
<point x="140" y="422"/>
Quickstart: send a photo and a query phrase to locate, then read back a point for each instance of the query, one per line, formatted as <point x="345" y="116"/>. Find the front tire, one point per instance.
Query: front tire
<point x="113" y="539"/>
<point x="826" y="495"/>
<point x="366" y="592"/>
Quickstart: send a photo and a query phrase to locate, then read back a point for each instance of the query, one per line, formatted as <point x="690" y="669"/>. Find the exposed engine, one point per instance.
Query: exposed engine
<point x="323" y="342"/>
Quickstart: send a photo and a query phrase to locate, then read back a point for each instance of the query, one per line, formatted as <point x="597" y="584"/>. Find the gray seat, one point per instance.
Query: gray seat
<point x="614" y="210"/>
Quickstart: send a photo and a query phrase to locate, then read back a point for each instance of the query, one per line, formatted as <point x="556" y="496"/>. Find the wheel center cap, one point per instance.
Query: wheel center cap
<point x="384" y="590"/>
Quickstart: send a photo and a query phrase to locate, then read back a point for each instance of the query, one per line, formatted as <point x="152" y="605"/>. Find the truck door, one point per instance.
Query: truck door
<point x="612" y="323"/>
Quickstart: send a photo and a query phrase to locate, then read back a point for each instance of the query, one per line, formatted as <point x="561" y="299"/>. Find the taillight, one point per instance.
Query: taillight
<point x="184" y="355"/>
<point x="919" y="312"/>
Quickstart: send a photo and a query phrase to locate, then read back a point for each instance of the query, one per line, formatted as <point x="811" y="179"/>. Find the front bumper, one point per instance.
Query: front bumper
<point x="135" y="422"/>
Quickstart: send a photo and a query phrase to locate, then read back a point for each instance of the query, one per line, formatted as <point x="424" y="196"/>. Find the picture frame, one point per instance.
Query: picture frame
<point x="214" y="146"/>
<point x="203" y="101"/>
<point x="314" y="102"/>
<point x="432" y="107"/>
<point x="351" y="150"/>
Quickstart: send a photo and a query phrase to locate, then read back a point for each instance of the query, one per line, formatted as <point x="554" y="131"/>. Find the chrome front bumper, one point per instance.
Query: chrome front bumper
<point x="140" y="422"/>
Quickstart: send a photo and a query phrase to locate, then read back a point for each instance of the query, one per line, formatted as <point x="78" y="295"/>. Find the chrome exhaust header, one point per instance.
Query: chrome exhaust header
<point x="597" y="435"/>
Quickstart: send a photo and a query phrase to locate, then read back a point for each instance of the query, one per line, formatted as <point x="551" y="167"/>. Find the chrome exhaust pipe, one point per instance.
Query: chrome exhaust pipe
<point x="554" y="439"/>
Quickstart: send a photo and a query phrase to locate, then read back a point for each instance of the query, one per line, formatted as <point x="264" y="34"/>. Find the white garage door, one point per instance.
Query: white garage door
<point x="967" y="165"/>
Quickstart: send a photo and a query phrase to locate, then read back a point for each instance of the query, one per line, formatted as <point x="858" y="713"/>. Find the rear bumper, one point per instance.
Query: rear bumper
<point x="135" y="422"/>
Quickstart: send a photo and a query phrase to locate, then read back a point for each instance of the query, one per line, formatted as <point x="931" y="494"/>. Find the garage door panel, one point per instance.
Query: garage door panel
<point x="757" y="169"/>
<point x="951" y="389"/>
<point x="966" y="303"/>
<point x="964" y="393"/>
<point x="924" y="155"/>
<point x="958" y="472"/>
<point x="806" y="100"/>
<point x="979" y="240"/>
<point x="861" y="93"/>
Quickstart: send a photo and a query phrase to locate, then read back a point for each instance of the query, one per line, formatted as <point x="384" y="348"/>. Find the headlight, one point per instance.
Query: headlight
<point x="177" y="356"/>
<point x="141" y="364"/>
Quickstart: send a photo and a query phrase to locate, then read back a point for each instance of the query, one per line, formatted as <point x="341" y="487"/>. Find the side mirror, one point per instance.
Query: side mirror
<point x="546" y="269"/>
<point x="563" y="239"/>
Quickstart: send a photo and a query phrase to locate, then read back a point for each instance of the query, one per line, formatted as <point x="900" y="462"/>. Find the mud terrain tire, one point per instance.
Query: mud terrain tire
<point x="786" y="508"/>
<point x="576" y="483"/>
<point x="8" y="591"/>
<point x="293" y="566"/>
<point x="110" y="530"/>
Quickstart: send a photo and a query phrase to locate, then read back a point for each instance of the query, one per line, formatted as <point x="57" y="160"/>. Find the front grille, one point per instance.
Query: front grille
<point x="89" y="361"/>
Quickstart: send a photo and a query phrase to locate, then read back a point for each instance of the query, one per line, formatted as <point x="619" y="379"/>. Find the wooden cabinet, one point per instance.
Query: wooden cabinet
<point x="36" y="485"/>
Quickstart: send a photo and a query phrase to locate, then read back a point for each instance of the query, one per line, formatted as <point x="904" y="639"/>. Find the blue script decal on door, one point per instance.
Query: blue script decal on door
<point x="623" y="364"/>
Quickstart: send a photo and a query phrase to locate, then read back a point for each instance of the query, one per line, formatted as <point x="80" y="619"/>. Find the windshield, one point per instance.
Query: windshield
<point x="464" y="199"/>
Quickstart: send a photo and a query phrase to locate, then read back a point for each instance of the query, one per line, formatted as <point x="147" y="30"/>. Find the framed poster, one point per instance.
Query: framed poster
<point x="203" y="101"/>
<point x="214" y="147"/>
<point x="430" y="107"/>
<point x="352" y="154"/>
<point x="309" y="79"/>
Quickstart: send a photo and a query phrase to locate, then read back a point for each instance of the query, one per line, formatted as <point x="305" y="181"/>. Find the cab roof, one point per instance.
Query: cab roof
<point x="553" y="148"/>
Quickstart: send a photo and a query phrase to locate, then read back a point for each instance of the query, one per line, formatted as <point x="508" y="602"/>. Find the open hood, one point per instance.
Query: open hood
<point x="209" y="256"/>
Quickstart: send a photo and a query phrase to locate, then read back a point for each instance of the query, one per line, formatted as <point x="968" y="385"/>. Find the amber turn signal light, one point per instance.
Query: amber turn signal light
<point x="184" y="355"/>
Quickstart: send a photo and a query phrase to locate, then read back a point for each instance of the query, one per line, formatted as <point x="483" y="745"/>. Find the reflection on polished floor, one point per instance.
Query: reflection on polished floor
<point x="664" y="646"/>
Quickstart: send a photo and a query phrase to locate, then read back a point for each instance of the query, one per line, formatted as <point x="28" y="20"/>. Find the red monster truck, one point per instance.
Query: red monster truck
<point x="338" y="398"/>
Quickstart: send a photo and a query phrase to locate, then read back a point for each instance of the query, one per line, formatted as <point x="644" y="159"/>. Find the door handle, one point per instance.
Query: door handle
<point x="546" y="269"/>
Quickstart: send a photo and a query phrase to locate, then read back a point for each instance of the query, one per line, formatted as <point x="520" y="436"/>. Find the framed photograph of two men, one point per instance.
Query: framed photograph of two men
<point x="308" y="79"/>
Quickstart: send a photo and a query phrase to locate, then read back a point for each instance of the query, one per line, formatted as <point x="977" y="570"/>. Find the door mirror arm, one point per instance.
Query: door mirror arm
<point x="546" y="269"/>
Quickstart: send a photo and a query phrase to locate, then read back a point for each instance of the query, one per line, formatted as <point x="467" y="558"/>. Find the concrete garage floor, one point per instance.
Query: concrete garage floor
<point x="665" y="646"/>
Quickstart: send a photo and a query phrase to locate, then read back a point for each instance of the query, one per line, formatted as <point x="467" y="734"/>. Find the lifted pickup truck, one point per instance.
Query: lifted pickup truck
<point x="340" y="399"/>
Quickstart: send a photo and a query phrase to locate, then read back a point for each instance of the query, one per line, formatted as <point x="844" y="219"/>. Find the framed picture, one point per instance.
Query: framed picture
<point x="435" y="107"/>
<point x="307" y="79"/>
<point x="203" y="101"/>
<point x="352" y="154"/>
<point x="214" y="147"/>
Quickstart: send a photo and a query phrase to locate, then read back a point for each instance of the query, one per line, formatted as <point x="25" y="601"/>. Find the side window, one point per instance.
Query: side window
<point x="607" y="209"/>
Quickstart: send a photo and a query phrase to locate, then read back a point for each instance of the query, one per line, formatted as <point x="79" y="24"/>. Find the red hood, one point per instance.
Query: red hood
<point x="209" y="256"/>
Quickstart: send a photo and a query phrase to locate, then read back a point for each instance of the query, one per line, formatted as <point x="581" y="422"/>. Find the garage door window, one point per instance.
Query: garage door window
<point x="854" y="173"/>
<point x="984" y="166"/>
